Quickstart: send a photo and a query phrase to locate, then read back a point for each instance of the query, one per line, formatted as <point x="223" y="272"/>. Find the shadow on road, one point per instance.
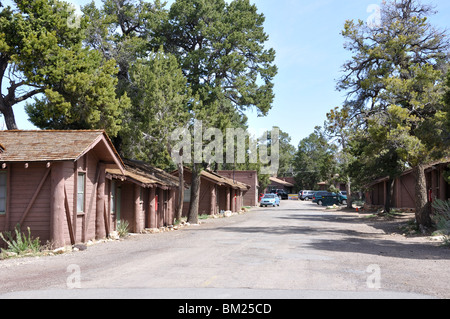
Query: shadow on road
<point x="383" y="247"/>
<point x="329" y="233"/>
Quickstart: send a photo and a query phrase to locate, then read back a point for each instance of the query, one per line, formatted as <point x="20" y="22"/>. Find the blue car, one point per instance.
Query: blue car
<point x="270" y="200"/>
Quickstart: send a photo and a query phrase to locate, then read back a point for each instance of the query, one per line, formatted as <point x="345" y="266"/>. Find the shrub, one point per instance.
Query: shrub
<point x="123" y="228"/>
<point x="441" y="218"/>
<point x="22" y="243"/>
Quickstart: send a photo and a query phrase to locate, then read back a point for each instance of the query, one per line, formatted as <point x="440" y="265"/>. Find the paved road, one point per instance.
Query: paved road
<point x="295" y="251"/>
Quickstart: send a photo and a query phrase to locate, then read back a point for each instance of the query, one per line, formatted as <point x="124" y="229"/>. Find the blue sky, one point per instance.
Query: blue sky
<point x="310" y="53"/>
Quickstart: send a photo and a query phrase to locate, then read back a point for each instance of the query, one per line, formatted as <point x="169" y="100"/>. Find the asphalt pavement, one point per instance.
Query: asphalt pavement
<point x="296" y="251"/>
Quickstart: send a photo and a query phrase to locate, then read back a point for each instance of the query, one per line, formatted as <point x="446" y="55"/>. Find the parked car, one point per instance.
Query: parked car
<point x="270" y="200"/>
<point x="260" y="197"/>
<point x="281" y="193"/>
<point x="318" y="197"/>
<point x="306" y="195"/>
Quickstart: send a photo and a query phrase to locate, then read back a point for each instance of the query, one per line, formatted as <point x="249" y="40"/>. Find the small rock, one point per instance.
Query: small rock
<point x="114" y="235"/>
<point x="80" y="247"/>
<point x="59" y="251"/>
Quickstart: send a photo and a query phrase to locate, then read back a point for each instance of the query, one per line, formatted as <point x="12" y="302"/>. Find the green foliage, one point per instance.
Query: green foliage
<point x="73" y="87"/>
<point x="286" y="155"/>
<point x="120" y="30"/>
<point x="123" y="228"/>
<point x="441" y="218"/>
<point x="34" y="40"/>
<point x="84" y="100"/>
<point x="314" y="161"/>
<point x="21" y="243"/>
<point x="221" y="51"/>
<point x="447" y="175"/>
<point x="395" y="80"/>
<point x="445" y="115"/>
<point x="160" y="105"/>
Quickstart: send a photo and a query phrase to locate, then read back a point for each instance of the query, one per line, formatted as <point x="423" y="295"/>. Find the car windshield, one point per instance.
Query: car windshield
<point x="269" y="196"/>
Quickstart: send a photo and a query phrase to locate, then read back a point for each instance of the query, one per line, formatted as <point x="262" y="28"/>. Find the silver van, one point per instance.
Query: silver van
<point x="306" y="195"/>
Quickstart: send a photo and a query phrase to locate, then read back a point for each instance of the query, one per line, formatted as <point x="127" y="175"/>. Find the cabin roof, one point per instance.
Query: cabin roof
<point x="219" y="179"/>
<point x="48" y="146"/>
<point x="281" y="182"/>
<point x="144" y="174"/>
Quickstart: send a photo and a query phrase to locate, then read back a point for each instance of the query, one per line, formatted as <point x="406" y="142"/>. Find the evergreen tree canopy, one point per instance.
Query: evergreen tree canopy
<point x="41" y="52"/>
<point x="395" y="83"/>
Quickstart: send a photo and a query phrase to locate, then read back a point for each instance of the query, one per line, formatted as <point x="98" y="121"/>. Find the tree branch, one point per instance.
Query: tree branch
<point x="27" y="96"/>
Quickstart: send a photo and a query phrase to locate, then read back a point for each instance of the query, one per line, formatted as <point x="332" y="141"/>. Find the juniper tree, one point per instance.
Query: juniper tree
<point x="221" y="49"/>
<point x="395" y="78"/>
<point x="42" y="57"/>
<point x="160" y="106"/>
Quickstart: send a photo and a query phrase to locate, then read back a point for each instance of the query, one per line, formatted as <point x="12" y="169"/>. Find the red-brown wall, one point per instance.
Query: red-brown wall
<point x="206" y="187"/>
<point x="23" y="184"/>
<point x="138" y="215"/>
<point x="404" y="188"/>
<point x="250" y="178"/>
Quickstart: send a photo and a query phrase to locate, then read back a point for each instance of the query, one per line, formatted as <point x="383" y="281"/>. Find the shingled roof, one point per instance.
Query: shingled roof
<point x="281" y="182"/>
<point x="48" y="146"/>
<point x="144" y="175"/>
<point x="219" y="180"/>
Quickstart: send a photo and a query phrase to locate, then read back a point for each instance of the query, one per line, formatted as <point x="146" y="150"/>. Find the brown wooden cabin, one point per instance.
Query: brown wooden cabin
<point x="142" y="195"/>
<point x="404" y="187"/>
<point x="217" y="193"/>
<point x="249" y="178"/>
<point x="54" y="183"/>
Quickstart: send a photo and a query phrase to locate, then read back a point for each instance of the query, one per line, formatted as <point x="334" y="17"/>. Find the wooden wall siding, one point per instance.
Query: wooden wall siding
<point x="225" y="199"/>
<point x="151" y="215"/>
<point x="138" y="208"/>
<point x="161" y="208"/>
<point x="43" y="197"/>
<point x="204" y="206"/>
<point x="126" y="211"/>
<point x="404" y="188"/>
<point x="222" y="198"/>
<point x="250" y="198"/>
<point x="25" y="182"/>
<point x="144" y="207"/>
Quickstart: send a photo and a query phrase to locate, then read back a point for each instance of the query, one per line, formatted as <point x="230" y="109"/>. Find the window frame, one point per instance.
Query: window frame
<point x="83" y="210"/>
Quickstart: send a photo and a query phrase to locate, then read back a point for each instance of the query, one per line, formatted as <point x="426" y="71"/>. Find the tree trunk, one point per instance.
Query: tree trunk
<point x="389" y="195"/>
<point x="423" y="210"/>
<point x="179" y="211"/>
<point x="8" y="114"/>
<point x="348" y="188"/>
<point x="195" y="194"/>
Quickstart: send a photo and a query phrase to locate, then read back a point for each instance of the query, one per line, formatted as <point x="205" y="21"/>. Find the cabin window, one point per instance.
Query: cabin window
<point x="81" y="192"/>
<point x="115" y="199"/>
<point x="3" y="193"/>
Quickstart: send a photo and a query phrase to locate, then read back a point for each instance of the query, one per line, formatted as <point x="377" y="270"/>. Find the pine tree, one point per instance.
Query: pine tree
<point x="220" y="48"/>
<point x="395" y="81"/>
<point x="42" y="56"/>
